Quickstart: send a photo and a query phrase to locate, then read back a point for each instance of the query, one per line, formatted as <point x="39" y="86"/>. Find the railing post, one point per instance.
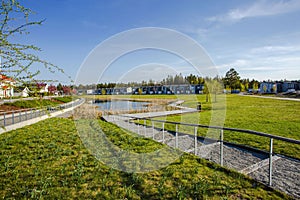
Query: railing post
<point x="20" y="119"/>
<point x="138" y="124"/>
<point x="270" y="161"/>
<point x="26" y="114"/>
<point x="145" y="128"/>
<point x="163" y="132"/>
<point x="4" y="120"/>
<point x="152" y="130"/>
<point x="12" y="117"/>
<point x="176" y="137"/>
<point x="195" y="140"/>
<point x="221" y="147"/>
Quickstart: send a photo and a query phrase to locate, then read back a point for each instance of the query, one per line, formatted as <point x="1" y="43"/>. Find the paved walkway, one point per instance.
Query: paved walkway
<point x="181" y="110"/>
<point x="268" y="97"/>
<point x="159" y="114"/>
<point x="12" y="122"/>
<point x="286" y="171"/>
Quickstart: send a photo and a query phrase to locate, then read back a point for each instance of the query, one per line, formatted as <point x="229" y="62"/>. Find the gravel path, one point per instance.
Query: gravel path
<point x="286" y="171"/>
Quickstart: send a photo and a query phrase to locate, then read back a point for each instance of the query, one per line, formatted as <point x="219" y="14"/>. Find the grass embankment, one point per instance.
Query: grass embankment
<point x="277" y="117"/>
<point x="48" y="160"/>
<point x="38" y="102"/>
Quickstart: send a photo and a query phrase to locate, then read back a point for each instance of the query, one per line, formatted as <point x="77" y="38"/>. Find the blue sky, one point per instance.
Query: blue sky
<point x="259" y="38"/>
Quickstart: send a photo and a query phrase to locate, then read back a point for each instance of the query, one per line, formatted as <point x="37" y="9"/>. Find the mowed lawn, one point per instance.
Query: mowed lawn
<point x="48" y="160"/>
<point x="277" y="117"/>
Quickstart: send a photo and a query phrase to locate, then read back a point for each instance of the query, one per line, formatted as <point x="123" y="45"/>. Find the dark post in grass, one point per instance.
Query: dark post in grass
<point x="221" y="147"/>
<point x="195" y="137"/>
<point x="270" y="162"/>
<point x="163" y="133"/>
<point x="176" y="137"/>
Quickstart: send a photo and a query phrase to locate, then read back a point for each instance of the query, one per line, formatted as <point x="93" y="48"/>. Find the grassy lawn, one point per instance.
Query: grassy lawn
<point x="39" y="103"/>
<point x="277" y="117"/>
<point x="48" y="160"/>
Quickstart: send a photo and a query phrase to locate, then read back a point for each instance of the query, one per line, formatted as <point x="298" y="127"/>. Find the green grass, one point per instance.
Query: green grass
<point x="39" y="103"/>
<point x="47" y="160"/>
<point x="65" y="99"/>
<point x="277" y="117"/>
<point x="32" y="103"/>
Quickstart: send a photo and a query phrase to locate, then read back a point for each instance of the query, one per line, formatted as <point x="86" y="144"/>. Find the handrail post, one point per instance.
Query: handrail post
<point x="195" y="138"/>
<point x="13" y="117"/>
<point x="138" y="124"/>
<point x="176" y="137"/>
<point x="270" y="161"/>
<point x="221" y="147"/>
<point x="4" y="120"/>
<point x="152" y="129"/>
<point x="145" y="128"/>
<point x="163" y="132"/>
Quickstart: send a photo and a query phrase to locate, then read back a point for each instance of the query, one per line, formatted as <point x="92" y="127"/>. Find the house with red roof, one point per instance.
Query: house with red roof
<point x="7" y="85"/>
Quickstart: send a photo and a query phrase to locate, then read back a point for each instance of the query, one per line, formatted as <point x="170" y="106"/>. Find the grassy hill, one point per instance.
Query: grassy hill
<point x="48" y="160"/>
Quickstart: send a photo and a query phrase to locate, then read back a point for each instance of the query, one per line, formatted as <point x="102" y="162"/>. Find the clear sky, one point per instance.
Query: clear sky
<point x="259" y="38"/>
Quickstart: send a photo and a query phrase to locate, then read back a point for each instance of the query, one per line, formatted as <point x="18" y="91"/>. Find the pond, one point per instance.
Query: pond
<point x="121" y="105"/>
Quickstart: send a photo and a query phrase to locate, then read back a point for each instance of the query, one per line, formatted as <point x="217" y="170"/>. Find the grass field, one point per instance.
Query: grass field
<point x="47" y="160"/>
<point x="39" y="103"/>
<point x="277" y="117"/>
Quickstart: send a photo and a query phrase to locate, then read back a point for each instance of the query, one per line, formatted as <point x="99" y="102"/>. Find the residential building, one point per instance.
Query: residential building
<point x="6" y="86"/>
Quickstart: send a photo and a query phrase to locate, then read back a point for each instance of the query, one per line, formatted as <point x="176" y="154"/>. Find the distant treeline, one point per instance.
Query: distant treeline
<point x="231" y="82"/>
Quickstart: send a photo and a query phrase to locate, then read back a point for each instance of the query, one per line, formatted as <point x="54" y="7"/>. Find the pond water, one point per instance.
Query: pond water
<point x="121" y="105"/>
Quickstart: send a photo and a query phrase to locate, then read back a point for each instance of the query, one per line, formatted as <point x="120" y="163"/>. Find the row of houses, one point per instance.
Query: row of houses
<point x="264" y="88"/>
<point x="279" y="87"/>
<point x="9" y="89"/>
<point x="164" y="89"/>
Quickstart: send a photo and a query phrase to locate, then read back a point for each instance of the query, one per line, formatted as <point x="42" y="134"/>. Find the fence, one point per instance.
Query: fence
<point x="220" y="140"/>
<point x="17" y="116"/>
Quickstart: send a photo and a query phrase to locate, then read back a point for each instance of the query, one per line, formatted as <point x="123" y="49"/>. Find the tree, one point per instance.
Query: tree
<point x="52" y="89"/>
<point x="232" y="79"/>
<point x="17" y="59"/>
<point x="59" y="87"/>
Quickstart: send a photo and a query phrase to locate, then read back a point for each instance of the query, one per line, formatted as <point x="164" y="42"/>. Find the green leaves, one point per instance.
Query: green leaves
<point x="18" y="59"/>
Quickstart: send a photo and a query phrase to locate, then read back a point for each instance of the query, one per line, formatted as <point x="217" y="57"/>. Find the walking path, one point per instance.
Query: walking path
<point x="13" y="122"/>
<point x="286" y="171"/>
<point x="181" y="110"/>
<point x="268" y="97"/>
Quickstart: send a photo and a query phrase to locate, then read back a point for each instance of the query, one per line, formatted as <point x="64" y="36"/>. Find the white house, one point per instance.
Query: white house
<point x="43" y="88"/>
<point x="25" y="92"/>
<point x="6" y="86"/>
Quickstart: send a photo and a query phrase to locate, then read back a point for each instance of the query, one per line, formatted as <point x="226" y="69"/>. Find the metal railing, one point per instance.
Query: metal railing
<point x="221" y="136"/>
<point x="17" y="116"/>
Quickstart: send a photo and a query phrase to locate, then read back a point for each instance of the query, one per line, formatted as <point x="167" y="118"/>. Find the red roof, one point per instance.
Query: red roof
<point x="5" y="78"/>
